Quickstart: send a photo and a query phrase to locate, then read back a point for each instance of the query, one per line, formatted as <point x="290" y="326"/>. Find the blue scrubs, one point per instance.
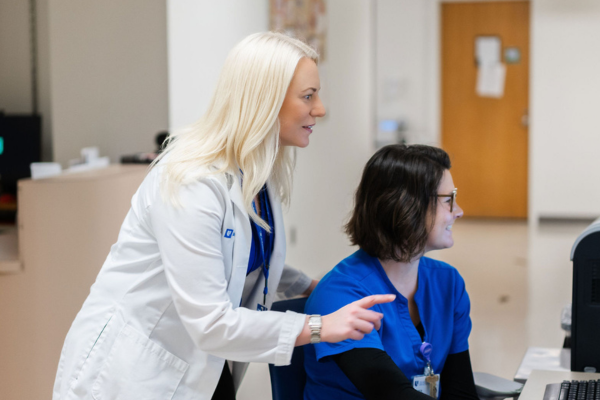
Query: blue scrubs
<point x="443" y="307"/>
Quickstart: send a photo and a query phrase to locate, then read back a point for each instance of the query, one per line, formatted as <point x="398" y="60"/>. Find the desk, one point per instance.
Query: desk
<point x="542" y="358"/>
<point x="536" y="384"/>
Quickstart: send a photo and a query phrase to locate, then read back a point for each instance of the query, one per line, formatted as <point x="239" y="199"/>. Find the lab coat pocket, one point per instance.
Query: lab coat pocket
<point x="138" y="368"/>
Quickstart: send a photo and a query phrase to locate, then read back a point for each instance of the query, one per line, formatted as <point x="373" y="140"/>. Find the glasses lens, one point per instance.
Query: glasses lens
<point x="453" y="200"/>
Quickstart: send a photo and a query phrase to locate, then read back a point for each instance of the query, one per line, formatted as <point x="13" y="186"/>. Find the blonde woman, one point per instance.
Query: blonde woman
<point x="182" y="302"/>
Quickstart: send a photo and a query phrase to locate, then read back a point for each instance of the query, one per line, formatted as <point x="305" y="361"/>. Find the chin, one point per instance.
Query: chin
<point x="446" y="244"/>
<point x="301" y="143"/>
<point x="298" y="141"/>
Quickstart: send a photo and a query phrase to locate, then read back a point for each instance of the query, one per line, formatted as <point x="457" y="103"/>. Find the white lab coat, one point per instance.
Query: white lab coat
<point x="164" y="315"/>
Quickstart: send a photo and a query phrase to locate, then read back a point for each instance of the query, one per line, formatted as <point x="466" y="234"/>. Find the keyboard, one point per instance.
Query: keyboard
<point x="573" y="390"/>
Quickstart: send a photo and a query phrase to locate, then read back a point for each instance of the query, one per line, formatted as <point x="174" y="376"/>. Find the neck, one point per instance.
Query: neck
<point x="403" y="275"/>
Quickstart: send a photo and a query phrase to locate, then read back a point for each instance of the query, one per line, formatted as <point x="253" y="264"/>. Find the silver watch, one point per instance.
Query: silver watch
<point x="315" y="324"/>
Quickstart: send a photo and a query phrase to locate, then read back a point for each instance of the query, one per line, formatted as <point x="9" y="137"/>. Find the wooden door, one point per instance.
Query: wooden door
<point x="487" y="138"/>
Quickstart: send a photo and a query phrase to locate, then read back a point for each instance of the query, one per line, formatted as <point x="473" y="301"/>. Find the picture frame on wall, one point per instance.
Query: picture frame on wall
<point x="303" y="19"/>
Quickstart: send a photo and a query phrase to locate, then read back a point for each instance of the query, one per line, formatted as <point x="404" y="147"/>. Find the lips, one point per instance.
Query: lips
<point x="308" y="128"/>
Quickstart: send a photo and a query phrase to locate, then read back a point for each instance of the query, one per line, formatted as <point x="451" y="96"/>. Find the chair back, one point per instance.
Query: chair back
<point x="287" y="382"/>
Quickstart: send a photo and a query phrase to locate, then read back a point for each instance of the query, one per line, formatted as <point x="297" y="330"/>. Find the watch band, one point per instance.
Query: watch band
<point x="315" y="324"/>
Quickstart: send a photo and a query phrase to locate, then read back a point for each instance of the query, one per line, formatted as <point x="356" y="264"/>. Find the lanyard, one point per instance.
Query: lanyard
<point x="426" y="349"/>
<point x="265" y="239"/>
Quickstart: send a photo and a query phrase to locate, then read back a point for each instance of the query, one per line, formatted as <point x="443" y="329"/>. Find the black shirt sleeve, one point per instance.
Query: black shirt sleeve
<point x="376" y="376"/>
<point x="457" y="378"/>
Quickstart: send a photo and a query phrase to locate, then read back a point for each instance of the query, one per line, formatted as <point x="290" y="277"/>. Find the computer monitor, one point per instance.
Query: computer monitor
<point x="585" y="316"/>
<point x="20" y="145"/>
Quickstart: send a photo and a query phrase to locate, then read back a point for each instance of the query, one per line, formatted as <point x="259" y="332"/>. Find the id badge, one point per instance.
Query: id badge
<point x="427" y="384"/>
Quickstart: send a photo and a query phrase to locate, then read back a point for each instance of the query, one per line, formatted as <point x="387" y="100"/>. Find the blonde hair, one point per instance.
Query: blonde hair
<point x="240" y="129"/>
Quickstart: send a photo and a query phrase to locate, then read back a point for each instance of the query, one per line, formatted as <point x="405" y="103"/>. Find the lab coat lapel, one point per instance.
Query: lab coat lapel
<point x="243" y="241"/>
<point x="278" y="255"/>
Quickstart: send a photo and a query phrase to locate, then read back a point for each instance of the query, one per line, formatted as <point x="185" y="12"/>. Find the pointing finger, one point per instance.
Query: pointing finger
<point x="370" y="301"/>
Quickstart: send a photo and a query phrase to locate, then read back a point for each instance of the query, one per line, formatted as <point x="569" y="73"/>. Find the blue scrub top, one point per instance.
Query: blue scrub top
<point x="443" y="307"/>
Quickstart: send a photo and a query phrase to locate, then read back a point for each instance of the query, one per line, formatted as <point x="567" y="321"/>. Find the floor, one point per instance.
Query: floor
<point x="518" y="278"/>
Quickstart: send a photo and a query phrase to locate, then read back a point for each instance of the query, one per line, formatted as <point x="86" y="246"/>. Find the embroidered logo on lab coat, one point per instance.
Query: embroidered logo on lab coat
<point x="229" y="233"/>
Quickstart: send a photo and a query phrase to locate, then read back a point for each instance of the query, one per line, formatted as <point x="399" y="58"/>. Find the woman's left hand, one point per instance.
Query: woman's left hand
<point x="312" y="286"/>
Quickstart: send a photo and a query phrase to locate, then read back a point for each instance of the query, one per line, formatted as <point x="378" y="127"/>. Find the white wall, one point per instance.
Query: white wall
<point x="329" y="169"/>
<point x="408" y="66"/>
<point x="200" y="35"/>
<point x="565" y="95"/>
<point x="108" y="75"/>
<point x="15" y="62"/>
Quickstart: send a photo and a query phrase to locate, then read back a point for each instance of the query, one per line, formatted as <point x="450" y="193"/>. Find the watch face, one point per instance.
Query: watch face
<point x="314" y="321"/>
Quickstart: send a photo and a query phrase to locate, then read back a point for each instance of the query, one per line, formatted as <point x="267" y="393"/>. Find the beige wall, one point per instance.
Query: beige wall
<point x="108" y="75"/>
<point x="102" y="73"/>
<point x="15" y="73"/>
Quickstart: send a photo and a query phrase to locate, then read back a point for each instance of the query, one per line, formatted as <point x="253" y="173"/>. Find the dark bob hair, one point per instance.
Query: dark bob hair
<point x="396" y="192"/>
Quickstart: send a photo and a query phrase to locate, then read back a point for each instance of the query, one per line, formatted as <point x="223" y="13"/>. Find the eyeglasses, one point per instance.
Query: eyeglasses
<point x="452" y="196"/>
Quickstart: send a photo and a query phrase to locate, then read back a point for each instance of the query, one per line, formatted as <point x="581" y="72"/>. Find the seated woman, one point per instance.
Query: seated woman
<point x="405" y="206"/>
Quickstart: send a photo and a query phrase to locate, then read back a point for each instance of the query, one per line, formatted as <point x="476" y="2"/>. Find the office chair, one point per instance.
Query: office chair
<point x="287" y="382"/>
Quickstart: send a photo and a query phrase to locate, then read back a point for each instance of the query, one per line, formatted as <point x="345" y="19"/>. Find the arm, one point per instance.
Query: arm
<point x="457" y="378"/>
<point x="376" y="376"/>
<point x="293" y="283"/>
<point x="353" y="321"/>
<point x="310" y="288"/>
<point x="457" y="375"/>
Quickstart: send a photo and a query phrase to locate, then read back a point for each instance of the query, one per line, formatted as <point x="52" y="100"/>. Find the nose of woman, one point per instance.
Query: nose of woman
<point x="319" y="109"/>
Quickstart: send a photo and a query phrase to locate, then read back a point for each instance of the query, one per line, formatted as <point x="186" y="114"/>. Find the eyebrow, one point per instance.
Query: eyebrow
<point x="311" y="88"/>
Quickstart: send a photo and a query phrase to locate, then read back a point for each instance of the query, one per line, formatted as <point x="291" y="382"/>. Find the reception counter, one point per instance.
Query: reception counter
<point x="66" y="225"/>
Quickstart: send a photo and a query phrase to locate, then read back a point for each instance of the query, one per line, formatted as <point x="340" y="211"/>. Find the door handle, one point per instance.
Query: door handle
<point x="525" y="119"/>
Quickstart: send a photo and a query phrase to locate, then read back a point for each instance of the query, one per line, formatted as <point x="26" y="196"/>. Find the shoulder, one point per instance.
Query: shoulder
<point x="358" y="269"/>
<point x="441" y="274"/>
<point x="437" y="267"/>
<point x="351" y="279"/>
<point x="200" y="188"/>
